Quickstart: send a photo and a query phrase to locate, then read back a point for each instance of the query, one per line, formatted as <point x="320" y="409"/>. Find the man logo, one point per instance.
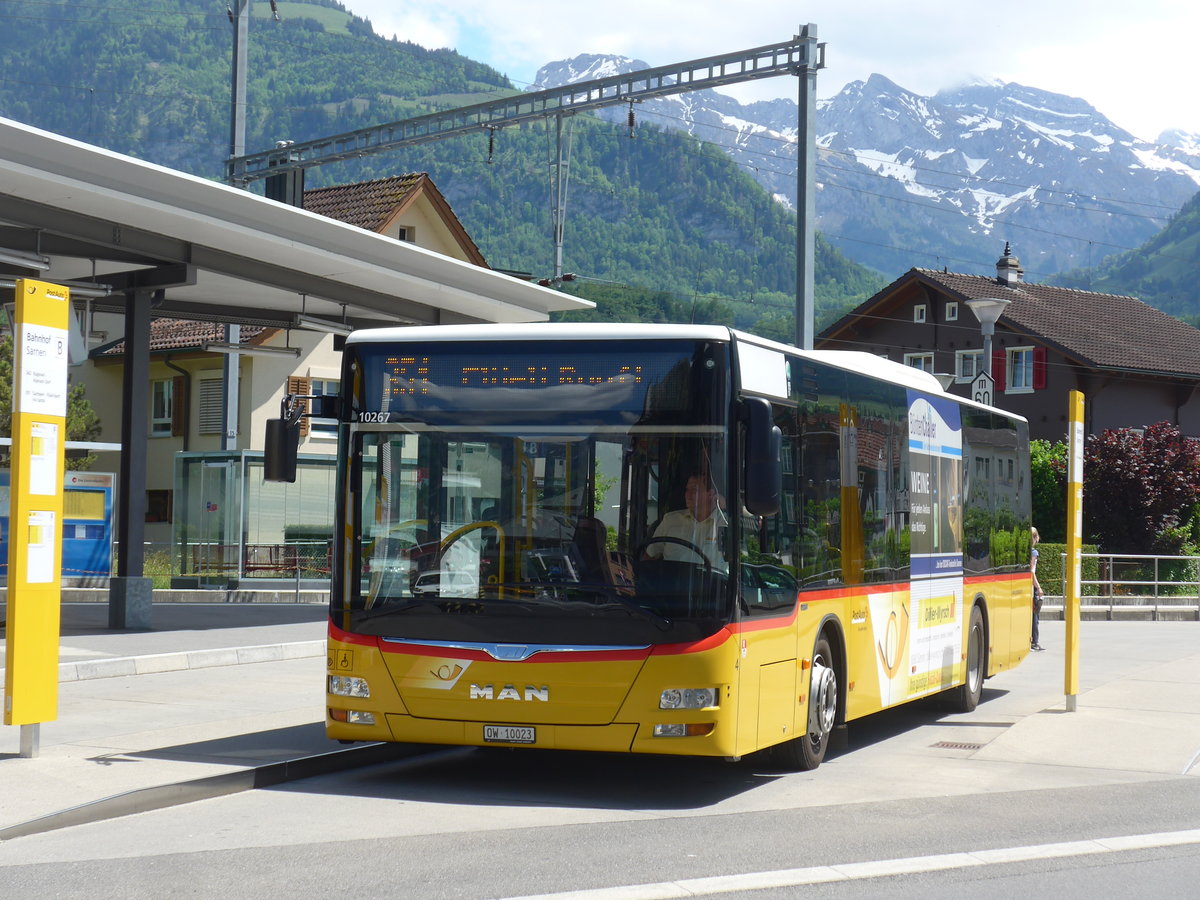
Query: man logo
<point x="508" y="692"/>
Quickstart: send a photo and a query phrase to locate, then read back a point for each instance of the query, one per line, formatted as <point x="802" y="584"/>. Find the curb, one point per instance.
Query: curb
<point x="177" y="794"/>
<point x="188" y="659"/>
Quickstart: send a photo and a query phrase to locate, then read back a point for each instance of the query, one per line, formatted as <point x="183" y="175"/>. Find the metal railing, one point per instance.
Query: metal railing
<point x="1138" y="585"/>
<point x="214" y="565"/>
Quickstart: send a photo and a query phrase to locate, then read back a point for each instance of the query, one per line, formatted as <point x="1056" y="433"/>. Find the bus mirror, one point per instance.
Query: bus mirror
<point x="764" y="472"/>
<point x="280" y="446"/>
<point x="325" y="407"/>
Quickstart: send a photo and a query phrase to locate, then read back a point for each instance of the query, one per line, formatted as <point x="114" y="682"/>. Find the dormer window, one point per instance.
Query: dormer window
<point x="919" y="313"/>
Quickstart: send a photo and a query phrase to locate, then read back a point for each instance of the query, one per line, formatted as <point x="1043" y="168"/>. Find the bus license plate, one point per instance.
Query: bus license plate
<point x="510" y="734"/>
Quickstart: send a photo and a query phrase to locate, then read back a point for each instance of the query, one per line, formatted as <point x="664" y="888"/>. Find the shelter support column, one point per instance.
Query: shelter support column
<point x="130" y="592"/>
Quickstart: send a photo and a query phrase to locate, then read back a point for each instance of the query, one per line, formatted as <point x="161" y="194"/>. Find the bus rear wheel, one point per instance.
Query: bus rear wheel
<point x="968" y="694"/>
<point x="807" y="752"/>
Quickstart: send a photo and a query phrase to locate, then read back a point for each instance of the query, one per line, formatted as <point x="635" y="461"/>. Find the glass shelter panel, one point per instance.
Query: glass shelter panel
<point x="232" y="526"/>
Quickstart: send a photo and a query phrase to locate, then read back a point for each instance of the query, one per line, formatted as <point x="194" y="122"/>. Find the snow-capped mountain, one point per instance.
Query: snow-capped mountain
<point x="907" y="180"/>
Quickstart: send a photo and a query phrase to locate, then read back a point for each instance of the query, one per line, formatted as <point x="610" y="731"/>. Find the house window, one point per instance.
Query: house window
<point x="406" y="233"/>
<point x="1019" y="366"/>
<point x="919" y="313"/>
<point x="922" y="361"/>
<point x="162" y="407"/>
<point x="212" y="399"/>
<point x="967" y="364"/>
<point x="159" y="506"/>
<point x="952" y="311"/>
<point x="323" y="387"/>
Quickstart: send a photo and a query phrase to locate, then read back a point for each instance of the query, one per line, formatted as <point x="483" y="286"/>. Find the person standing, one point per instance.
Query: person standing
<point x="1037" y="589"/>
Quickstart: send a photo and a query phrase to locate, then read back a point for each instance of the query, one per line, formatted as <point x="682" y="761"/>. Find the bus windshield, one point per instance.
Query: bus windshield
<point x="570" y="497"/>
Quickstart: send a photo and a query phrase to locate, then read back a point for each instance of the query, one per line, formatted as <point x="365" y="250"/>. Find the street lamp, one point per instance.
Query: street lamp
<point x="987" y="310"/>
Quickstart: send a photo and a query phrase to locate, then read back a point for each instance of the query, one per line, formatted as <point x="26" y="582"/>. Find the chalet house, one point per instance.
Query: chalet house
<point x="186" y="390"/>
<point x="1134" y="364"/>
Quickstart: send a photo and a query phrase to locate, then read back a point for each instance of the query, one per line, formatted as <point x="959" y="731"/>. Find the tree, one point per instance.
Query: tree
<point x="1141" y="489"/>
<point x="82" y="422"/>
<point x="1048" y="464"/>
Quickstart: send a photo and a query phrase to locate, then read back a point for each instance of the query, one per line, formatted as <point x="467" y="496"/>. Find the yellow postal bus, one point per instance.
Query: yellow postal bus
<point x="659" y="539"/>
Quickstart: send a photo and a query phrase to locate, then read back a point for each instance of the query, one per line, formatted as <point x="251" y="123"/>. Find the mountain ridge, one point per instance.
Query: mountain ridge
<point x="1047" y="171"/>
<point x="663" y="217"/>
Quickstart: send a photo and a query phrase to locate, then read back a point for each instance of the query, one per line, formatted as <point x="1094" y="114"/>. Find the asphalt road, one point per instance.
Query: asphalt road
<point x="1018" y="796"/>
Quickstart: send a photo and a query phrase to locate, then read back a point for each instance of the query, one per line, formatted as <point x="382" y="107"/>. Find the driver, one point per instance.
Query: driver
<point x="702" y="524"/>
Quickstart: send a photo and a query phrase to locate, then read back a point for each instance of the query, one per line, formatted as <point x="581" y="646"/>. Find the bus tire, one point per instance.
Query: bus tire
<point x="807" y="752"/>
<point x="968" y="694"/>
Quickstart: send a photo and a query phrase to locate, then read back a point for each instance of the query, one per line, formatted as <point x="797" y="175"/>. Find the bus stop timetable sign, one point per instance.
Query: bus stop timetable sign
<point x="39" y="425"/>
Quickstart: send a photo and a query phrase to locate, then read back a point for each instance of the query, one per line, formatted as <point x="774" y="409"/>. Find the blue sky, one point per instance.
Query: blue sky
<point x="1130" y="61"/>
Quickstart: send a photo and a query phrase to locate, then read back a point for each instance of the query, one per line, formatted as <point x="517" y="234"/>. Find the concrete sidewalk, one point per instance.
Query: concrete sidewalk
<point x="226" y="697"/>
<point x="206" y="703"/>
<point x="184" y="635"/>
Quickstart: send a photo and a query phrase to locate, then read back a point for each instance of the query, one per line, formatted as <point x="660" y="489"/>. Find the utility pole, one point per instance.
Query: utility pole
<point x="806" y="185"/>
<point x="231" y="364"/>
<point x="559" y="180"/>
<point x="237" y="96"/>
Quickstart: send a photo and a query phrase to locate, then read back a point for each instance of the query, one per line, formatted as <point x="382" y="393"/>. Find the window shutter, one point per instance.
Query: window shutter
<point x="298" y="385"/>
<point x="211" y="394"/>
<point x="999" y="369"/>
<point x="179" y="406"/>
<point x="1039" y="368"/>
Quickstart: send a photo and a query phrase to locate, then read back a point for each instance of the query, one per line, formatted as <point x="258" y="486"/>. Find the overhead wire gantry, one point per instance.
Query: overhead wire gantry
<point x="801" y="56"/>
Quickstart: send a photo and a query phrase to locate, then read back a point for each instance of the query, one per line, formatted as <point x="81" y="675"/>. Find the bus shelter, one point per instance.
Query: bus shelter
<point x="144" y="241"/>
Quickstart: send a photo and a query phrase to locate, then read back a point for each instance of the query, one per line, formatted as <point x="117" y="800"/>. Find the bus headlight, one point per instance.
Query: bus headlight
<point x="348" y="686"/>
<point x="678" y="730"/>
<point x="688" y="698"/>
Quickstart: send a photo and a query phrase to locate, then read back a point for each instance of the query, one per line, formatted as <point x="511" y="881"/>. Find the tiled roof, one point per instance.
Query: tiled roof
<point x="185" y="334"/>
<point x="368" y="204"/>
<point x="1098" y="330"/>
<point x="1101" y="330"/>
<point x="372" y="205"/>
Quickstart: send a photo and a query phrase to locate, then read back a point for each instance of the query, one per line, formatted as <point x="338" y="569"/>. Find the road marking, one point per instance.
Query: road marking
<point x="1193" y="761"/>
<point x="784" y="878"/>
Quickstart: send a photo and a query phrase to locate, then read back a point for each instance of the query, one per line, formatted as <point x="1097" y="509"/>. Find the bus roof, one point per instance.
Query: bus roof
<point x="540" y="331"/>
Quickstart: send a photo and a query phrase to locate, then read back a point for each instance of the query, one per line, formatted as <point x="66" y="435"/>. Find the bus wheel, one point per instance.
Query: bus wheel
<point x="969" y="692"/>
<point x="808" y="751"/>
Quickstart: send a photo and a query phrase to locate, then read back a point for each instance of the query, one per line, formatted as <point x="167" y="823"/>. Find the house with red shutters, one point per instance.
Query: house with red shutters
<point x="1134" y="364"/>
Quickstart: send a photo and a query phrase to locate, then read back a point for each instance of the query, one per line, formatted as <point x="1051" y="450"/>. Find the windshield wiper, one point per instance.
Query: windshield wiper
<point x="561" y="594"/>
<point x="531" y="595"/>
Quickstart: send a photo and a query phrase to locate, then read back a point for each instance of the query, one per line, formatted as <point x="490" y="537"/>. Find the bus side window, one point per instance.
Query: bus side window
<point x="819" y="541"/>
<point x="768" y="571"/>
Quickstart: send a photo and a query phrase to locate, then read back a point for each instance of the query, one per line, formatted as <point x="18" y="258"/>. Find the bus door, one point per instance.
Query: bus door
<point x="933" y="621"/>
<point x="768" y="591"/>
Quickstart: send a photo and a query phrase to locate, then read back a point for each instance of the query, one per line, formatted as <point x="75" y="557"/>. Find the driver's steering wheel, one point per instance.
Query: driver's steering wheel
<point x="666" y="539"/>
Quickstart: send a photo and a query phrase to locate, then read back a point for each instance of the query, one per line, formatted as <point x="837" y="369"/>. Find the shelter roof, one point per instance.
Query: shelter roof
<point x="224" y="254"/>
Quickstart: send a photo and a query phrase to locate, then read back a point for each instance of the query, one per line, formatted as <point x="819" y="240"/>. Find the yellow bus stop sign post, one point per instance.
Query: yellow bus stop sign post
<point x="1071" y="576"/>
<point x="39" y="427"/>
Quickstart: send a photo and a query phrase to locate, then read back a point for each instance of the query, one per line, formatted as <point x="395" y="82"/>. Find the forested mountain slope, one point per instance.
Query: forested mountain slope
<point x="657" y="225"/>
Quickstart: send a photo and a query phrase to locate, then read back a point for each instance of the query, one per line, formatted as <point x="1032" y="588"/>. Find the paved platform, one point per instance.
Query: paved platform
<point x="225" y="697"/>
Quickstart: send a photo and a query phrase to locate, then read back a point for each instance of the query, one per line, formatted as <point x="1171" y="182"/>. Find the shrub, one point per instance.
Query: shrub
<point x="1050" y="569"/>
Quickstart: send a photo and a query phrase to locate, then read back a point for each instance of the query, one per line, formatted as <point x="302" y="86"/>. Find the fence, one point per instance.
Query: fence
<point x="244" y="565"/>
<point x="1131" y="585"/>
<point x="1114" y="585"/>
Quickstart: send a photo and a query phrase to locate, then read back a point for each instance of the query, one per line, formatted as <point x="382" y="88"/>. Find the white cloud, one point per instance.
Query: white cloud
<point x="1134" y="65"/>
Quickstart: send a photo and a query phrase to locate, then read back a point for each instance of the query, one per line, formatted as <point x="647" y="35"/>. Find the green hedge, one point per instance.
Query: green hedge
<point x="1050" y="569"/>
